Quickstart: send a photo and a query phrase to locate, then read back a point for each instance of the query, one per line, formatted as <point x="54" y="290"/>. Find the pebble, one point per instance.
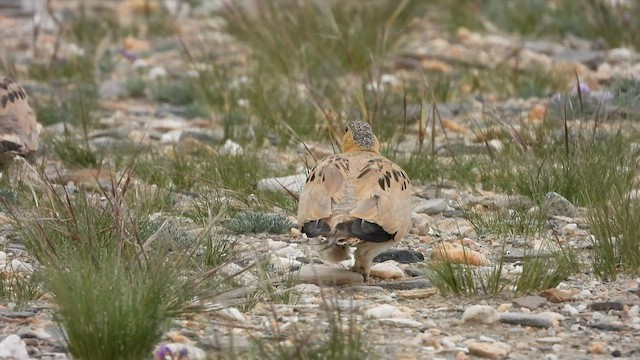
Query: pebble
<point x="431" y="207"/>
<point x="386" y="270"/>
<point x="385" y="311"/>
<point x="483" y="314"/>
<point x="489" y="350"/>
<point x="231" y="148"/>
<point x="607" y="305"/>
<point x="531" y="302"/>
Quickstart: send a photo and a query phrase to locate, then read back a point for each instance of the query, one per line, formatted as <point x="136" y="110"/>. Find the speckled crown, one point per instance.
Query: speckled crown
<point x="362" y="134"/>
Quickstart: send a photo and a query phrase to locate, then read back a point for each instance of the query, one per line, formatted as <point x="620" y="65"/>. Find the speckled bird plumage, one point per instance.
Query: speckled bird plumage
<point x="357" y="198"/>
<point x="19" y="130"/>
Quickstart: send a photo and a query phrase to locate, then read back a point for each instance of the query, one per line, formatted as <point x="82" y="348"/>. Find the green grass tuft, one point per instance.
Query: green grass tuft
<point x="257" y="222"/>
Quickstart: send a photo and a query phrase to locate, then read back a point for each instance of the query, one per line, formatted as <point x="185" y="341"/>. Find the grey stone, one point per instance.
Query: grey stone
<point x="403" y="256"/>
<point x="526" y="320"/>
<point x="607" y="305"/>
<point x="419" y="283"/>
<point x="431" y="206"/>
<point x="556" y="204"/>
<point x="530" y="302"/>
<point x="17" y="314"/>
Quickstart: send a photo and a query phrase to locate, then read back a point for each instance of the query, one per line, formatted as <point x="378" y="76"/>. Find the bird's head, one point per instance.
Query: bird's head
<point x="358" y="136"/>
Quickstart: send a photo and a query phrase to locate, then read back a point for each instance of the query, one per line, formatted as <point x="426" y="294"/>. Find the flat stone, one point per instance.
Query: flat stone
<point x="328" y="275"/>
<point x="403" y="256"/>
<point x="17" y="314"/>
<point x="419" y="283"/>
<point x="431" y="207"/>
<point x="401" y="323"/>
<point x="385" y="311"/>
<point x="607" y="305"/>
<point x="533" y="320"/>
<point x="531" y="302"/>
<point x="386" y="271"/>
<point x="550" y="340"/>
<point x="416" y="293"/>
<point x="489" y="350"/>
<point x="610" y="326"/>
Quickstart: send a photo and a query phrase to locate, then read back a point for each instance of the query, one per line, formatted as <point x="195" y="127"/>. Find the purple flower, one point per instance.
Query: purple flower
<point x="129" y="55"/>
<point x="606" y="96"/>
<point x="162" y="352"/>
<point x="585" y="89"/>
<point x="183" y="354"/>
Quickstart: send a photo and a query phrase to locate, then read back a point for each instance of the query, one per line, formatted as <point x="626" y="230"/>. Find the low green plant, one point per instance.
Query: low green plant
<point x="504" y="222"/>
<point x="98" y="254"/>
<point x="19" y="288"/>
<point x="135" y="87"/>
<point x="341" y="339"/>
<point x="544" y="269"/>
<point x="74" y="153"/>
<point x="258" y="222"/>
<point x="466" y="280"/>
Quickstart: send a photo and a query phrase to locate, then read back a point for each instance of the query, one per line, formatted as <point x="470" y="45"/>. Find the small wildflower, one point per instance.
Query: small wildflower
<point x="606" y="96"/>
<point x="163" y="351"/>
<point x="583" y="89"/>
<point x="556" y="98"/>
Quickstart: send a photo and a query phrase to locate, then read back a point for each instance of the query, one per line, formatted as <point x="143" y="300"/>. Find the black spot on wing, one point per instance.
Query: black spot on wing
<point x="365" y="230"/>
<point x="316" y="228"/>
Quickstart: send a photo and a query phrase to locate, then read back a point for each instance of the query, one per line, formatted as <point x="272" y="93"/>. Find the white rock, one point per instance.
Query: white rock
<point x="570" y="310"/>
<point x="620" y="55"/>
<point x="634" y="311"/>
<point x="12" y="347"/>
<point x="385" y="311"/>
<point x="139" y="64"/>
<point x="585" y="294"/>
<point x="231" y="148"/>
<point x="386" y="271"/>
<point x="292" y="183"/>
<point x="481" y="313"/>
<point x="3" y="257"/>
<point x="157" y="72"/>
<point x="552" y="316"/>
<point x="290" y="252"/>
<point x="283" y="263"/>
<point x="22" y="267"/>
<point x="240" y="275"/>
<point x="231" y="313"/>
<point x="276" y="244"/>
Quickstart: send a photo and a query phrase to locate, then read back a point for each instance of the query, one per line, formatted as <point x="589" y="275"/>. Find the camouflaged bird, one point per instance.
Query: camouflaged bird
<point x="356" y="198"/>
<point x="19" y="129"/>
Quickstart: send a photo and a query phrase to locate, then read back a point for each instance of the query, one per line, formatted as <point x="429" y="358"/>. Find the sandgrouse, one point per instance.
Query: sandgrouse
<point x="356" y="198"/>
<point x="19" y="130"/>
